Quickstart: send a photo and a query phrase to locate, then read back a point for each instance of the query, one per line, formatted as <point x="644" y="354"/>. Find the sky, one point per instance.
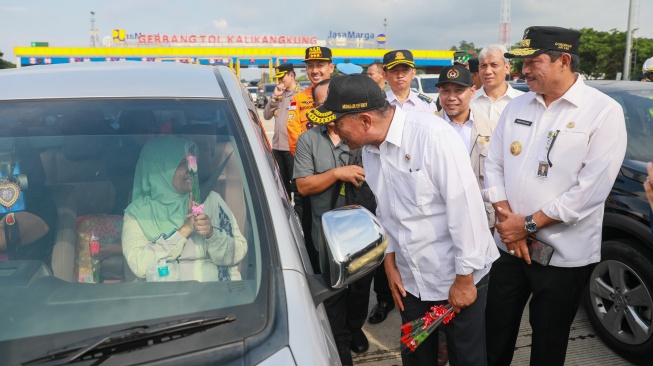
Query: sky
<point x="411" y="24"/>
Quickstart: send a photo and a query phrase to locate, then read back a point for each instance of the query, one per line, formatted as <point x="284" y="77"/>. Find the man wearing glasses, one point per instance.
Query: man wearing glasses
<point x="321" y="168"/>
<point x="439" y="247"/>
<point x="552" y="162"/>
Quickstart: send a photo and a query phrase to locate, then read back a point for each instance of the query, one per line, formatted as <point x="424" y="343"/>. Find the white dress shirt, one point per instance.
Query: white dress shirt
<point x="464" y="130"/>
<point x="413" y="103"/>
<point x="492" y="108"/>
<point x="586" y="157"/>
<point x="430" y="204"/>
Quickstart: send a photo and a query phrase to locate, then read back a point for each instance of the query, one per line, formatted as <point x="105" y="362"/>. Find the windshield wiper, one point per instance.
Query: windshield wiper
<point x="102" y="347"/>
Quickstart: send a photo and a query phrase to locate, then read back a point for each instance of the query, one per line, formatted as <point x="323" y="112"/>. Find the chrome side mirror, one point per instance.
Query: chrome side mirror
<point x="356" y="244"/>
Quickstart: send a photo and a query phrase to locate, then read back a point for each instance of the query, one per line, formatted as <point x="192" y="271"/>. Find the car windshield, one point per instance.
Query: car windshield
<point x="72" y="261"/>
<point x="428" y="85"/>
<point x="638" y="111"/>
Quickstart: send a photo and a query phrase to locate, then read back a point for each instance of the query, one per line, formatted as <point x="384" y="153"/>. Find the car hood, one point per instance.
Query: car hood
<point x="634" y="169"/>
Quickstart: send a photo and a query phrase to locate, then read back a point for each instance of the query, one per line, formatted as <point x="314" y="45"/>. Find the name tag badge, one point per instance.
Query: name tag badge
<point x="523" y="122"/>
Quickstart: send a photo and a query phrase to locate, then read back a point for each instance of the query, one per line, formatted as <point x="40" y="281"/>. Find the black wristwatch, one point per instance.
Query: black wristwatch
<point x="531" y="226"/>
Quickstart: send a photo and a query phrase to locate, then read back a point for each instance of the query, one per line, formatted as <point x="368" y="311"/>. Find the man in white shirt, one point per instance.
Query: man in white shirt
<point x="399" y="67"/>
<point x="439" y="247"/>
<point x="492" y="98"/>
<point x="456" y="87"/>
<point x="552" y="162"/>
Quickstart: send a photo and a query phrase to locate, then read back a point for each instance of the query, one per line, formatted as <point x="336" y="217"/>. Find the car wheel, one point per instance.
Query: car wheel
<point x="618" y="300"/>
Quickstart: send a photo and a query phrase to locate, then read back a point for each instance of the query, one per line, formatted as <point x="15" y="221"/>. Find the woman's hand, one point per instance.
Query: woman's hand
<point x="200" y="224"/>
<point x="203" y="225"/>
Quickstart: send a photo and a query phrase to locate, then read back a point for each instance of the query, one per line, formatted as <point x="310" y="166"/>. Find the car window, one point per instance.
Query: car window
<point x="77" y="163"/>
<point x="269" y="88"/>
<point x="428" y="85"/>
<point x="414" y="84"/>
<point x="638" y="112"/>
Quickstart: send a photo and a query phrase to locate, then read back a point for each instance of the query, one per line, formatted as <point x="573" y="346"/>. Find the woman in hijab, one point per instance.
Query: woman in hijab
<point x="159" y="223"/>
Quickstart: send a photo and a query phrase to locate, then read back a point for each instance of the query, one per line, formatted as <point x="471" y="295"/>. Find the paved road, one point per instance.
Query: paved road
<point x="585" y="348"/>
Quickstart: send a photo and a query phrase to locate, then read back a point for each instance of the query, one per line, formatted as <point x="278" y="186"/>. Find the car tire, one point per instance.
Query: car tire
<point x="619" y="300"/>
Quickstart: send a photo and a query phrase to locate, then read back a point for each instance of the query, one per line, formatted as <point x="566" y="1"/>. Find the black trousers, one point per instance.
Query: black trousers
<point x="347" y="311"/>
<point x="556" y="293"/>
<point x="286" y="162"/>
<point x="465" y="332"/>
<point x="381" y="286"/>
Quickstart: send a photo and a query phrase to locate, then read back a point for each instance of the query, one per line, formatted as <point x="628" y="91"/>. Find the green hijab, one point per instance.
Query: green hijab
<point x="157" y="206"/>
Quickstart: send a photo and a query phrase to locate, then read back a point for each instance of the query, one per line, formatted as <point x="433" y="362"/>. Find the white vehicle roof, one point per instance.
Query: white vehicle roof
<point x="109" y="79"/>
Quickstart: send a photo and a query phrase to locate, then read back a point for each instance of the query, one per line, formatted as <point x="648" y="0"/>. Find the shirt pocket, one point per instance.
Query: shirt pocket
<point x="568" y="152"/>
<point x="413" y="188"/>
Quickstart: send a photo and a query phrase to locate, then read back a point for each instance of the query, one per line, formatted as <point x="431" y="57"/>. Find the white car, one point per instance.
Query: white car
<point x="425" y="84"/>
<point x="70" y="137"/>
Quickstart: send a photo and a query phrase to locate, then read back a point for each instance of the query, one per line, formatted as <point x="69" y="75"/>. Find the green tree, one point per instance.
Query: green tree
<point x="5" y="64"/>
<point x="466" y="46"/>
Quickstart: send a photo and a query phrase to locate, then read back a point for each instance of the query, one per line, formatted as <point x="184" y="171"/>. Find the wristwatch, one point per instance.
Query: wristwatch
<point x="531" y="226"/>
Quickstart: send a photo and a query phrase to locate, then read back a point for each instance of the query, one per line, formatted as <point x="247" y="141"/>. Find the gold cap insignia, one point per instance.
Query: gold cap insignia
<point x="400" y="56"/>
<point x="525" y="43"/>
<point x="315" y="52"/>
<point x="452" y="74"/>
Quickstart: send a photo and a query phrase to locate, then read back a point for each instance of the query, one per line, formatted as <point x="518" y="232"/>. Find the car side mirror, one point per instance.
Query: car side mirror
<point x="355" y="245"/>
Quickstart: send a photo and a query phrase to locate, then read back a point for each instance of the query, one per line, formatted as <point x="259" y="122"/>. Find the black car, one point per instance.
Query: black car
<point x="264" y="94"/>
<point x="619" y="296"/>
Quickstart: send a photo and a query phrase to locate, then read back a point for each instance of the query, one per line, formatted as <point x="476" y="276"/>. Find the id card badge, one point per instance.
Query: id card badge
<point x="543" y="158"/>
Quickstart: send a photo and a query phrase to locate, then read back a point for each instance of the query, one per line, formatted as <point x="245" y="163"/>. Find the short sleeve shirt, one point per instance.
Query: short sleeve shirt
<point x="316" y="154"/>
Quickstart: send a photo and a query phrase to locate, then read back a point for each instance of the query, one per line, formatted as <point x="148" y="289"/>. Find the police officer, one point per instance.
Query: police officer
<point x="277" y="107"/>
<point x="399" y="66"/>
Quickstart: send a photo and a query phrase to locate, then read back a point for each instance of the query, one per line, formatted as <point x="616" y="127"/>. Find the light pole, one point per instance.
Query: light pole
<point x="629" y="36"/>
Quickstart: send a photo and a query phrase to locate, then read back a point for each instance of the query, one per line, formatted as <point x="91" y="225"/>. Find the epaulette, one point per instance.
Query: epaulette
<point x="425" y="98"/>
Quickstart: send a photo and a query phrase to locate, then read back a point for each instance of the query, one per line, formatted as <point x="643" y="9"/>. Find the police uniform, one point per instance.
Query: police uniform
<point x="415" y="101"/>
<point x="560" y="159"/>
<point x="277" y="107"/>
<point x="302" y="102"/>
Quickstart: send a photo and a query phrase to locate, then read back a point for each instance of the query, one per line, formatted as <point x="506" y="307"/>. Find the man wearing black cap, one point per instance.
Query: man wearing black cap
<point x="439" y="248"/>
<point x="278" y="107"/>
<point x="318" y="67"/>
<point x="456" y="87"/>
<point x="399" y="66"/>
<point x="578" y="134"/>
<point x="321" y="168"/>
